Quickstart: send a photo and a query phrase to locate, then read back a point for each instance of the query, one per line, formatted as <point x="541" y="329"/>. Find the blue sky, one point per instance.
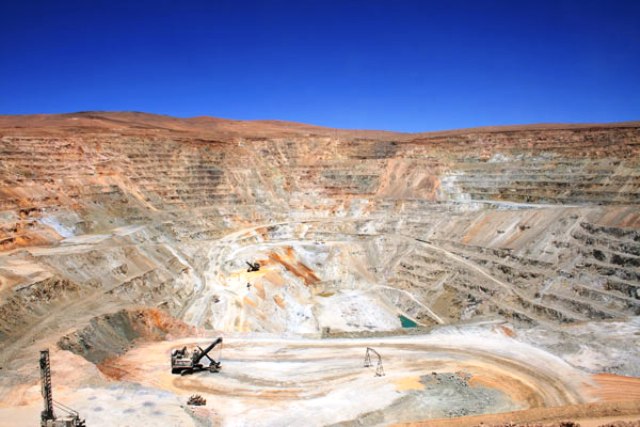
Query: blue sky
<point x="397" y="65"/>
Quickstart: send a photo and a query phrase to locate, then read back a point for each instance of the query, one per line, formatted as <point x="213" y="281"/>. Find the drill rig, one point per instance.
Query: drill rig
<point x="186" y="362"/>
<point x="47" y="417"/>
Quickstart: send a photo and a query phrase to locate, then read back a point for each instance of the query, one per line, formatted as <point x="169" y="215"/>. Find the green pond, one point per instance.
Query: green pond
<point x="407" y="323"/>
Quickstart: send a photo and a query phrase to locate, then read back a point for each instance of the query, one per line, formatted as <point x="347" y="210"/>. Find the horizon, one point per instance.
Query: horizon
<point x="488" y="127"/>
<point x="402" y="67"/>
<point x="482" y="128"/>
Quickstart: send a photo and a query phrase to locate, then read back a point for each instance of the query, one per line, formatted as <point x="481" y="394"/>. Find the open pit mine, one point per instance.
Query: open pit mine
<point x="204" y="272"/>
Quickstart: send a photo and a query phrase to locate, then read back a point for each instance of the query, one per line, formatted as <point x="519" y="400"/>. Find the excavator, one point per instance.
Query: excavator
<point x="253" y="266"/>
<point x="185" y="362"/>
<point x="367" y="361"/>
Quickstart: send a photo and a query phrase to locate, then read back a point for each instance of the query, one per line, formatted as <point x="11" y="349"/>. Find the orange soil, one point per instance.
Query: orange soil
<point x="278" y="300"/>
<point x="587" y="415"/>
<point x="612" y="388"/>
<point x="295" y="266"/>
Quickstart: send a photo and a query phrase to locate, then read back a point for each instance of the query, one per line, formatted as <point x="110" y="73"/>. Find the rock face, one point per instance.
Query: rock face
<point x="107" y="211"/>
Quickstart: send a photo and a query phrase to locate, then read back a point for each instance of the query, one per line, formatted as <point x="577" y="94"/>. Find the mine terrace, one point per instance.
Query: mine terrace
<point x="485" y="275"/>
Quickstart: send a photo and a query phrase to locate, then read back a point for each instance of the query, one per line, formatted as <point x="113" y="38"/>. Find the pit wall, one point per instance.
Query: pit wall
<point x="548" y="216"/>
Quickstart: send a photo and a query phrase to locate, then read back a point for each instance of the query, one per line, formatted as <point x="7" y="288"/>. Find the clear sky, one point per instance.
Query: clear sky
<point x="374" y="64"/>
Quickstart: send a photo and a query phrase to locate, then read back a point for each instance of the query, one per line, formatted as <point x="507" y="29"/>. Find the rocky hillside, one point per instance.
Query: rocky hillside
<point x="105" y="211"/>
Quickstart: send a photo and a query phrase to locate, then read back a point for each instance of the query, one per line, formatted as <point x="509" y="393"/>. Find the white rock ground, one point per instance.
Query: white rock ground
<point x="270" y="381"/>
